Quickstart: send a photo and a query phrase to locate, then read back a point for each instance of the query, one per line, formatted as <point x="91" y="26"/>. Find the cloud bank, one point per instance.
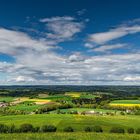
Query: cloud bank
<point x="36" y="62"/>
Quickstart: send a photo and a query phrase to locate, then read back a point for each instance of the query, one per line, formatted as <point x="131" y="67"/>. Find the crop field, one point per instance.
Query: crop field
<point x="73" y="94"/>
<point x="69" y="136"/>
<point x="35" y="100"/>
<point x="86" y="109"/>
<point x="6" y="99"/>
<point x="125" y="103"/>
<point x="25" y="107"/>
<point x="78" y="110"/>
<point x="78" y="122"/>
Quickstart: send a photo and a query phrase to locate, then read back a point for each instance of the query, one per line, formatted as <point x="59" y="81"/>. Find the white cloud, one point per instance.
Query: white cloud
<point x="62" y="28"/>
<point x="89" y="45"/>
<point x="15" y="42"/>
<point x="109" y="47"/>
<point x="112" y="34"/>
<point x="76" y="57"/>
<point x="134" y="78"/>
<point x="37" y="63"/>
<point x="24" y="79"/>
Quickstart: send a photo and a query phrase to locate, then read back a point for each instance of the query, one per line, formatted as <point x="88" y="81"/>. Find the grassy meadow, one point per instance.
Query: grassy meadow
<point x="78" y="122"/>
<point x="69" y="136"/>
<point x="125" y="103"/>
<point x="62" y="117"/>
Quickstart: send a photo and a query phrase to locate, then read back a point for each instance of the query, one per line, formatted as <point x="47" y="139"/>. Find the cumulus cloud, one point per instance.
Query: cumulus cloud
<point x="76" y="57"/>
<point x="15" y="42"/>
<point x="62" y="28"/>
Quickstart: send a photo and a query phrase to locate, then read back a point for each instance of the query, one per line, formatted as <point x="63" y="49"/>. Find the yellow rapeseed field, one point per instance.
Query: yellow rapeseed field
<point x="73" y="94"/>
<point x="124" y="105"/>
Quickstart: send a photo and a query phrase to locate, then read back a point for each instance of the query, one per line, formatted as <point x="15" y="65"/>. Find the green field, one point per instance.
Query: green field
<point x="88" y="96"/>
<point x="25" y="107"/>
<point x="78" y="122"/>
<point x="69" y="136"/>
<point x="57" y="97"/>
<point x="85" y="109"/>
<point x="6" y="99"/>
<point x="126" y="102"/>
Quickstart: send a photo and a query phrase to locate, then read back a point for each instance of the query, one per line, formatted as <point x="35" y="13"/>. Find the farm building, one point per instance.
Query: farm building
<point x="92" y="112"/>
<point x="2" y="104"/>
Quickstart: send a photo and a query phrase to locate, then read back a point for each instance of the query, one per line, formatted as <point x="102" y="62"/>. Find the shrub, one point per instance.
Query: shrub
<point x="48" y="128"/>
<point x="3" y="128"/>
<point x="26" y="128"/>
<point x="68" y="129"/>
<point x="36" y="129"/>
<point x="117" y="130"/>
<point x="130" y="130"/>
<point x="138" y="131"/>
<point x="12" y="129"/>
<point x="88" y="129"/>
<point x="97" y="129"/>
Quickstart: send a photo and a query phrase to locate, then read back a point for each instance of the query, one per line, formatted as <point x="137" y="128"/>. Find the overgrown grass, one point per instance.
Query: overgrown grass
<point x="69" y="136"/>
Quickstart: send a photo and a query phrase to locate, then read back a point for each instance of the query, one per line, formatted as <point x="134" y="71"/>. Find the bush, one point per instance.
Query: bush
<point x="48" y="128"/>
<point x="3" y="128"/>
<point x="117" y="130"/>
<point x="36" y="129"/>
<point x="97" y="129"/>
<point x="88" y="129"/>
<point x="138" y="131"/>
<point x="12" y="129"/>
<point x="130" y="130"/>
<point x="26" y="128"/>
<point x="68" y="129"/>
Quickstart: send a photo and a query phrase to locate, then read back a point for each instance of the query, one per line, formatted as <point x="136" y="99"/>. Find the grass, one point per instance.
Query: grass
<point x="69" y="136"/>
<point x="6" y="99"/>
<point x="36" y="100"/>
<point x="58" y="97"/>
<point x="73" y="94"/>
<point x="125" y="103"/>
<point x="78" y="122"/>
<point x="85" y="109"/>
<point x="88" y="96"/>
<point x="25" y="107"/>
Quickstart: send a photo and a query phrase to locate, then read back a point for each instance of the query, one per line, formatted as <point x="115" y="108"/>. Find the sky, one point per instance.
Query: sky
<point x="69" y="42"/>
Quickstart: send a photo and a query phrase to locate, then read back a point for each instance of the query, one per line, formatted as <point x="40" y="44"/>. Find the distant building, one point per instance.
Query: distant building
<point x="92" y="112"/>
<point x="2" y="104"/>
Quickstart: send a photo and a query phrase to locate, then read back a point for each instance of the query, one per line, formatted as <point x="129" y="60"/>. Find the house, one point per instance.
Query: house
<point x="92" y="112"/>
<point x="2" y="104"/>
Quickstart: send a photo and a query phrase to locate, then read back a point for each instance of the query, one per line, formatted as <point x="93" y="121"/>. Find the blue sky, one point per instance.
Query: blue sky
<point x="76" y="42"/>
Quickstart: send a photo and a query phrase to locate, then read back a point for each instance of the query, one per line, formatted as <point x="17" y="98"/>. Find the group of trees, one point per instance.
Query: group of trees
<point x="25" y="128"/>
<point x="8" y="111"/>
<point x="52" y="107"/>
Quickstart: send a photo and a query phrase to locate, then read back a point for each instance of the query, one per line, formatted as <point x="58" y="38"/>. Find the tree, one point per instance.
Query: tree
<point x="117" y="130"/>
<point x="130" y="130"/>
<point x="88" y="129"/>
<point x="138" y="131"/>
<point x="48" y="128"/>
<point x="3" y="128"/>
<point x="26" y="128"/>
<point x="97" y="129"/>
<point x="68" y="129"/>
